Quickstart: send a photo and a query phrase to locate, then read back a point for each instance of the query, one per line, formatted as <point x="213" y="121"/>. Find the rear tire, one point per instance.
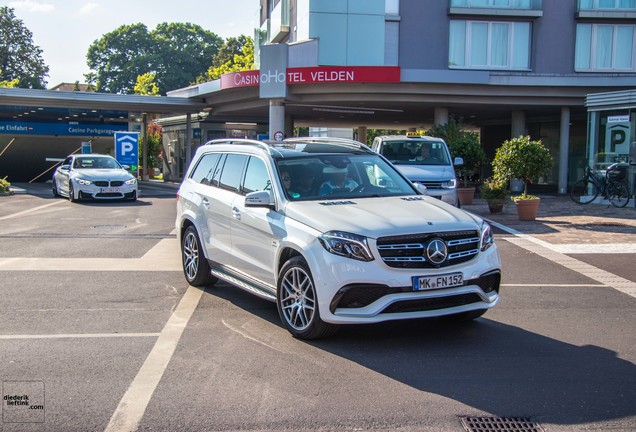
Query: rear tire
<point x="584" y="192"/>
<point x="619" y="195"/>
<point x="298" y="304"/>
<point x="195" y="266"/>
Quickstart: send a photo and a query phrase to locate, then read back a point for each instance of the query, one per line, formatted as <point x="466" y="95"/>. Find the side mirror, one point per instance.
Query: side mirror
<point x="259" y="199"/>
<point x="126" y="167"/>
<point x="421" y="188"/>
<point x="65" y="167"/>
<point x="458" y="161"/>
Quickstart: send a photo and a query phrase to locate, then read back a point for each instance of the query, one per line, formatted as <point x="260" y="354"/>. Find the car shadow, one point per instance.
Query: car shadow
<point x="491" y="366"/>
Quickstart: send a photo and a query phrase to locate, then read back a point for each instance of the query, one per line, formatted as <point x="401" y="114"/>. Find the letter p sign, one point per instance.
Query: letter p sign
<point x="127" y="149"/>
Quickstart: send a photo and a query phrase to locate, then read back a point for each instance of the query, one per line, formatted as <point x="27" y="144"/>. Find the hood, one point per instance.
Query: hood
<point x="378" y="217"/>
<point x="427" y="172"/>
<point x="103" y="174"/>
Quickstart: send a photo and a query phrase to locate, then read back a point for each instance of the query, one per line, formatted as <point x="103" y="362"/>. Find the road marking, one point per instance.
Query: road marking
<point x="164" y="256"/>
<point x="78" y="336"/>
<point x="604" y="277"/>
<point x="554" y="285"/>
<point x="22" y="213"/>
<point x="133" y="405"/>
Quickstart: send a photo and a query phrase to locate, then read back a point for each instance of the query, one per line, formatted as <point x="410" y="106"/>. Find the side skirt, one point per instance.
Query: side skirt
<point x="244" y="282"/>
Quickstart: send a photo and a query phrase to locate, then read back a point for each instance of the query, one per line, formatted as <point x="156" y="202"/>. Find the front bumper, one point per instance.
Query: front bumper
<point x="93" y="192"/>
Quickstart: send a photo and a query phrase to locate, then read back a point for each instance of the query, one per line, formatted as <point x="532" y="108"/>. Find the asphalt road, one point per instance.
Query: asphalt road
<point x="100" y="331"/>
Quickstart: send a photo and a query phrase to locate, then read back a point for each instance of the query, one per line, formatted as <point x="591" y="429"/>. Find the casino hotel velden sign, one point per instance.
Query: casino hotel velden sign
<point x="316" y="75"/>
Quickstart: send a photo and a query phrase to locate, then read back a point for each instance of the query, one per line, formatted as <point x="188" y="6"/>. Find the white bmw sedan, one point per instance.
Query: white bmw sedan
<point x="93" y="176"/>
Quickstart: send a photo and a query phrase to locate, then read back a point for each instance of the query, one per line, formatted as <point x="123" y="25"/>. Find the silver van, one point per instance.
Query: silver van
<point x="422" y="159"/>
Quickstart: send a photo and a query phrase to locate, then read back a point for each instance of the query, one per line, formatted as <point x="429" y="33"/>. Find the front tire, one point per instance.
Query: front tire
<point x="195" y="266"/>
<point x="71" y="193"/>
<point x="54" y="188"/>
<point x="298" y="304"/>
<point x="619" y="195"/>
<point x="584" y="192"/>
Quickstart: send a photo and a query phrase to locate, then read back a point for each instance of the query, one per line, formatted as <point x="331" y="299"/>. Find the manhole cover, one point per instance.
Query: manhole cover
<point x="499" y="424"/>
<point x="109" y="227"/>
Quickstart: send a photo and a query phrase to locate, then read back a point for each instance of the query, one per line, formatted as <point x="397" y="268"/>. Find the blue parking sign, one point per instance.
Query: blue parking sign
<point x="127" y="149"/>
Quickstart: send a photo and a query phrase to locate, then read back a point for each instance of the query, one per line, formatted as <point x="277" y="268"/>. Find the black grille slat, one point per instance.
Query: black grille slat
<point x="409" y="251"/>
<point x="101" y="183"/>
<point x="432" y="303"/>
<point x="116" y="183"/>
<point x="500" y="424"/>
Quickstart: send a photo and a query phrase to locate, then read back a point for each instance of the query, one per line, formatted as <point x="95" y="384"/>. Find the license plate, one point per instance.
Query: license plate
<point x="110" y="190"/>
<point x="423" y="283"/>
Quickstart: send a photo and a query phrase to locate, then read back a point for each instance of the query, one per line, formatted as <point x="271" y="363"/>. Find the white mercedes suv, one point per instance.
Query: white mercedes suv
<point x="333" y="233"/>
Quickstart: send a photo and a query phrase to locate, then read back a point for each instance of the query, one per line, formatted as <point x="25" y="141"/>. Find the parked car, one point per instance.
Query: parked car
<point x="94" y="176"/>
<point x="424" y="160"/>
<point x="331" y="232"/>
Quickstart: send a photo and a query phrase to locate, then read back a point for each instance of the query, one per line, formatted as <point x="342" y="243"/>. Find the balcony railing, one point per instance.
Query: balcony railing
<point x="607" y="5"/>
<point x="536" y="5"/>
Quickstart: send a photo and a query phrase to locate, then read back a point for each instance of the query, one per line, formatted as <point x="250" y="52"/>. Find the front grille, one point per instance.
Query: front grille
<point x="410" y="251"/>
<point x="430" y="304"/>
<point x="101" y="183"/>
<point x="116" y="183"/>
<point x="431" y="184"/>
<point x="108" y="195"/>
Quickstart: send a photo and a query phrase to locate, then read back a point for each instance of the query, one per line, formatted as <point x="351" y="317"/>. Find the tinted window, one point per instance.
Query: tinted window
<point x="256" y="176"/>
<point x="205" y="169"/>
<point x="232" y="172"/>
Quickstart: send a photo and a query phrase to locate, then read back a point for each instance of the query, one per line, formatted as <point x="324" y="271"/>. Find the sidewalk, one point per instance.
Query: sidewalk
<point x="561" y="221"/>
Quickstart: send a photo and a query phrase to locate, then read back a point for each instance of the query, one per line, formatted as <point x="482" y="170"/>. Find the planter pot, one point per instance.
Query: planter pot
<point x="465" y="195"/>
<point x="495" y="205"/>
<point x="527" y="209"/>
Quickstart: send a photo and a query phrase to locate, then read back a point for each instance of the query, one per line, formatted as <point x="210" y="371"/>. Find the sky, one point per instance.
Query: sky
<point x="64" y="29"/>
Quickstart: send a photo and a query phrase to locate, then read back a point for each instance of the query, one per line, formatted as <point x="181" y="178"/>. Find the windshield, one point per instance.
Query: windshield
<point x="415" y="152"/>
<point x="340" y="176"/>
<point x="95" y="163"/>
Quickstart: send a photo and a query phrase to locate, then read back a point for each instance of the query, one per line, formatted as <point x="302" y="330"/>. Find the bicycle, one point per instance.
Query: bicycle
<point x="612" y="186"/>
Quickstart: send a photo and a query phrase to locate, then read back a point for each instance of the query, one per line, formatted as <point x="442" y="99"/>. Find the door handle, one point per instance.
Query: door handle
<point x="206" y="202"/>
<point x="236" y="214"/>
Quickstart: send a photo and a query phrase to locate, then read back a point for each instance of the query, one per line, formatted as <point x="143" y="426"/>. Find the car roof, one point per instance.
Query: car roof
<point x="409" y="138"/>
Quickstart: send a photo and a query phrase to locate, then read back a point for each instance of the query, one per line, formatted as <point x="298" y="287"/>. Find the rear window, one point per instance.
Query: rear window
<point x="415" y="152"/>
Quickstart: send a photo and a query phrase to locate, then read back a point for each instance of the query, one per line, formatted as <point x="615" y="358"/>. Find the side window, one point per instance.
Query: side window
<point x="232" y="172"/>
<point x="256" y="176"/>
<point x="217" y="171"/>
<point x="205" y="168"/>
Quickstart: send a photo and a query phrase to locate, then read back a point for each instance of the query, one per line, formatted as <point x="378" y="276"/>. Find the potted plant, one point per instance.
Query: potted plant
<point x="526" y="160"/>
<point x="466" y="145"/>
<point x="494" y="192"/>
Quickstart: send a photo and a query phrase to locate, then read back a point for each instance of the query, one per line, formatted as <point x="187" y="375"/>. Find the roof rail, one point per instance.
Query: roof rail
<point x="243" y="141"/>
<point x="329" y="140"/>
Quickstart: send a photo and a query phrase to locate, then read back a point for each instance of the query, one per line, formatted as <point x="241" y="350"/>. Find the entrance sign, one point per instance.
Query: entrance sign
<point x="87" y="147"/>
<point x="127" y="149"/>
<point x="315" y="75"/>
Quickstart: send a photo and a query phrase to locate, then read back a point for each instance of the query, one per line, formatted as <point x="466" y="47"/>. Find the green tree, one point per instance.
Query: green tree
<point x="461" y="143"/>
<point x="175" y="53"/>
<point x="523" y="159"/>
<point x="154" y="143"/>
<point x="146" y="86"/>
<point x="226" y="62"/>
<point x="19" y="58"/>
<point x="10" y="84"/>
<point x="185" y="51"/>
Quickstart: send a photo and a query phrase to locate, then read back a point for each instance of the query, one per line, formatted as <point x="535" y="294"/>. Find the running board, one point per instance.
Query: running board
<point x="243" y="284"/>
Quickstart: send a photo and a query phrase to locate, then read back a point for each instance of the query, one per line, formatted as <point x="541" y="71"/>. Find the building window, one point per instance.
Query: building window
<point x="605" y="47"/>
<point x="607" y="4"/>
<point x="489" y="45"/>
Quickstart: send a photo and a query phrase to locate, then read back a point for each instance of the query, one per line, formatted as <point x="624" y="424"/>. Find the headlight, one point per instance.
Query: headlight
<point x="347" y="245"/>
<point x="83" y="181"/>
<point x="487" y="238"/>
<point x="131" y="181"/>
<point x="450" y="184"/>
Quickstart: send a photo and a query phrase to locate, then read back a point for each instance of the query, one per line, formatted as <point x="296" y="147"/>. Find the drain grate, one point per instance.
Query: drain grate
<point x="500" y="424"/>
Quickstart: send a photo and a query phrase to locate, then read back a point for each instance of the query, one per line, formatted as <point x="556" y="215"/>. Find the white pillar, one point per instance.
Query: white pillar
<point x="276" y="118"/>
<point x="188" y="143"/>
<point x="441" y="116"/>
<point x="564" y="150"/>
<point x="518" y="124"/>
